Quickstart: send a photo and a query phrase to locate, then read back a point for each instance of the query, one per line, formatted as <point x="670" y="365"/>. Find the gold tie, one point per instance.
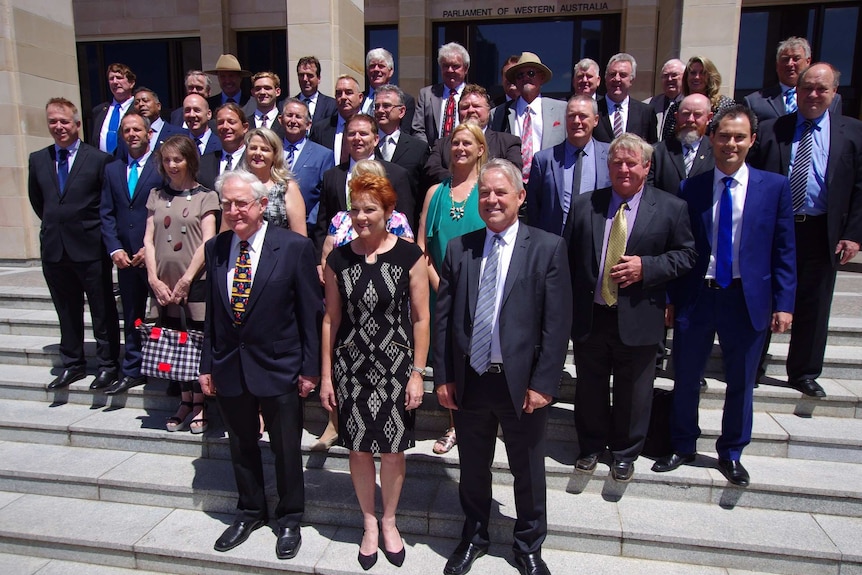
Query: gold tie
<point x="616" y="250"/>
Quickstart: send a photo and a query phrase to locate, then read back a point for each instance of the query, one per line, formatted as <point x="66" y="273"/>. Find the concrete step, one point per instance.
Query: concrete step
<point x="25" y="565"/>
<point x="583" y="532"/>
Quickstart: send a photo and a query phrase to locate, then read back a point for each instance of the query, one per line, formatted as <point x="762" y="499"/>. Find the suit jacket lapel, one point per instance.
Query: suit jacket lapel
<point x="142" y="178"/>
<point x="604" y="116"/>
<point x="512" y="114"/>
<point x="704" y="151"/>
<point x="836" y="144"/>
<point x="80" y="158"/>
<point x="265" y="264"/>
<point x="223" y="263"/>
<point x="646" y="212"/>
<point x="557" y="173"/>
<point x="519" y="259"/>
<point x="436" y="104"/>
<point x="677" y="156"/>
<point x="777" y="101"/>
<point x="52" y="166"/>
<point x="601" y="201"/>
<point x="753" y="205"/>
<point x="474" y="270"/>
<point x="785" y="142"/>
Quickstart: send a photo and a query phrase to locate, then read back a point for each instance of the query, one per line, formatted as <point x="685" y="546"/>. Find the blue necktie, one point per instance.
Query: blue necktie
<point x="486" y="303"/>
<point x="63" y="169"/>
<point x="724" y="249"/>
<point x="790" y="100"/>
<point x="133" y="178"/>
<point x="291" y="151"/>
<point x="801" y="166"/>
<point x="113" y="126"/>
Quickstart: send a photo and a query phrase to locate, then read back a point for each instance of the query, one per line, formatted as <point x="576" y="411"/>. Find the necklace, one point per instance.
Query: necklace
<point x="456" y="212"/>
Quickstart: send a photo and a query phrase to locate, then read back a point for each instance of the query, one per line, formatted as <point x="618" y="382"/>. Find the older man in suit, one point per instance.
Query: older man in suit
<point x="501" y="333"/>
<point x="196" y="82"/>
<point x="437" y="105"/>
<point x="380" y="67"/>
<point x="826" y="181"/>
<point x="123" y="213"/>
<point x="577" y="166"/>
<point x="626" y="243"/>
<point x="586" y="78"/>
<point x="671" y="83"/>
<point x="689" y="152"/>
<point x="308" y="161"/>
<point x="474" y="106"/>
<point x="321" y="107"/>
<point x="105" y="130"/>
<point x="330" y="132"/>
<point x="65" y="190"/>
<point x="743" y="283"/>
<point x="261" y="353"/>
<point x="618" y="112"/>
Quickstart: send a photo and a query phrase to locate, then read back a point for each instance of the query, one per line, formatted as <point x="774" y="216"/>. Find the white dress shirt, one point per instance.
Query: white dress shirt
<point x="255" y="245"/>
<point x="535" y="119"/>
<point x="507" y="248"/>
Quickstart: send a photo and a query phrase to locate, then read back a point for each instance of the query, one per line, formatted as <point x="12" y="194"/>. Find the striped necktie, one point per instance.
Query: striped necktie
<point x="688" y="159"/>
<point x="618" y="120"/>
<point x="486" y="304"/>
<point x="801" y="165"/>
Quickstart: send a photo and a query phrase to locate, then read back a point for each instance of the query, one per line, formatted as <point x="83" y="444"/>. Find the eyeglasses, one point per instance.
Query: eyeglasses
<point x="526" y="74"/>
<point x="386" y="106"/>
<point x="240" y="205"/>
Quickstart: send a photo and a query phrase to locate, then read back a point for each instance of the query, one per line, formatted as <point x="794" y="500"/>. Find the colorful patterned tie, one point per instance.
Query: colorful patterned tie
<point x="241" y="287"/>
<point x="618" y="120"/>
<point x="486" y="303"/>
<point x="133" y="178"/>
<point x="790" y="101"/>
<point x="113" y="126"/>
<point x="527" y="144"/>
<point x="616" y="250"/>
<point x="801" y="164"/>
<point x="724" y="247"/>
<point x="449" y="115"/>
<point x="63" y="169"/>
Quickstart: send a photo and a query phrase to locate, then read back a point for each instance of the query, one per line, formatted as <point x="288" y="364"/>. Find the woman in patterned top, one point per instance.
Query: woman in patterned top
<point x="264" y="157"/>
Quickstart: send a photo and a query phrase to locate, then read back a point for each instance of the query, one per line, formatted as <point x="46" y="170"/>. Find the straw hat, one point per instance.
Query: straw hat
<point x="228" y="63"/>
<point x="528" y="59"/>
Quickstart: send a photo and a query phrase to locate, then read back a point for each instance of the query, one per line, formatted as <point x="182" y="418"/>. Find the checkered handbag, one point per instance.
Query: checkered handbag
<point x="169" y="353"/>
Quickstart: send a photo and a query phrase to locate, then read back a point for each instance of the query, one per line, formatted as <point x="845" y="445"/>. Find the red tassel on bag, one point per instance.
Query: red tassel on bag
<point x="184" y="337"/>
<point x="164" y="367"/>
<point x="156" y="333"/>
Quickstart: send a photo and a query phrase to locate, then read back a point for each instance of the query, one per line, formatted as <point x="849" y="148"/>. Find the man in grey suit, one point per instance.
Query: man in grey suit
<point x="625" y="244"/>
<point x="577" y="166"/>
<point x="437" y="105"/>
<point x="618" y="112"/>
<point x="688" y="153"/>
<point x="380" y="67"/>
<point x="540" y="122"/>
<point x="501" y="334"/>
<point x="671" y="83"/>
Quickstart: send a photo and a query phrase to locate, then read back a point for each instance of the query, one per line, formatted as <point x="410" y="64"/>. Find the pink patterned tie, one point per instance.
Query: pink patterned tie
<point x="527" y="144"/>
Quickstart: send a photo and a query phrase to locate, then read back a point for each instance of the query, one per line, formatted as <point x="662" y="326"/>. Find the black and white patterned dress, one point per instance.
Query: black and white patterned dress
<point x="374" y="348"/>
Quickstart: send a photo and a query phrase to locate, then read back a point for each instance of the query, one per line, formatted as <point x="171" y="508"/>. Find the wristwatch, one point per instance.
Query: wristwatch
<point x="421" y="371"/>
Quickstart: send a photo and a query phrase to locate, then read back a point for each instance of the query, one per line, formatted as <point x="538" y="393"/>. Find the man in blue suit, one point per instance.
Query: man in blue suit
<point x="556" y="175"/>
<point x="123" y="211"/>
<point x="306" y="159"/>
<point x="261" y="351"/>
<point x="742" y="285"/>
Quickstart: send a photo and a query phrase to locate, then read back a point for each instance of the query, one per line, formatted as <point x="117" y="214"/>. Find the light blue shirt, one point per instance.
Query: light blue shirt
<point x="816" y="192"/>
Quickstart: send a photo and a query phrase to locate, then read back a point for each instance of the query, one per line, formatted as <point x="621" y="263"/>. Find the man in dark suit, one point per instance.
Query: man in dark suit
<point x="396" y="146"/>
<point x="827" y="210"/>
<point x="791" y="58"/>
<point x="380" y="67"/>
<point x="618" y="112"/>
<point x="123" y="213"/>
<point x="743" y="283"/>
<point x="320" y="106"/>
<point x="501" y="334"/>
<point x="437" y="104"/>
<point x="105" y="129"/>
<point x="265" y="89"/>
<point x="362" y="136"/>
<point x="626" y="243"/>
<point x="307" y="161"/>
<point x="230" y="74"/>
<point x="671" y="82"/>
<point x="577" y="166"/>
<point x="197" y="115"/>
<point x="474" y="106"/>
<point x="148" y="105"/>
<point x="65" y="189"/>
<point x="197" y="82"/>
<point x="261" y="353"/>
<point x="687" y="154"/>
<point x="330" y="132"/>
<point x="232" y="126"/>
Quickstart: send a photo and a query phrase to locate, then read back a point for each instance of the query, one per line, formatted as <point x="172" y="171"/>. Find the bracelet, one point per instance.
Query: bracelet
<point x="421" y="372"/>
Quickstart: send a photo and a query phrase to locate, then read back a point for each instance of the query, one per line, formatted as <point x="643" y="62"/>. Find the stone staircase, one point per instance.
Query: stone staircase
<point x="91" y="484"/>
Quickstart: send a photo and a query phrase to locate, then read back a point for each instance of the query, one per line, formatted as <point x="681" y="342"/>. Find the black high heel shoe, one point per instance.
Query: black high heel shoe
<point x="396" y="558"/>
<point x="367" y="561"/>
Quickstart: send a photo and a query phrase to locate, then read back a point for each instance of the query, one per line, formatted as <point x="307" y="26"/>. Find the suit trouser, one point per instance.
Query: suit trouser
<point x="815" y="272"/>
<point x="623" y="427"/>
<point x="68" y="281"/>
<point x="487" y="403"/>
<point x="721" y="311"/>
<point x="283" y="417"/>
<point x="134" y="290"/>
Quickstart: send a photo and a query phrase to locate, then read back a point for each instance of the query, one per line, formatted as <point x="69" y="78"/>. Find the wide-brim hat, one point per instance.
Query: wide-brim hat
<point x="528" y="59"/>
<point x="228" y="63"/>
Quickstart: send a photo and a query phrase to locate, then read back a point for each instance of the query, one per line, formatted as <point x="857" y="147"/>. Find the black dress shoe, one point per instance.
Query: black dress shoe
<point x="587" y="463"/>
<point x="531" y="564"/>
<point x="809" y="387"/>
<point x="289" y="540"/>
<point x="104" y="379"/>
<point x="622" y="470"/>
<point x="236" y="534"/>
<point x="671" y="462"/>
<point x="68" y="376"/>
<point x="462" y="558"/>
<point x="734" y="471"/>
<point x="125" y="384"/>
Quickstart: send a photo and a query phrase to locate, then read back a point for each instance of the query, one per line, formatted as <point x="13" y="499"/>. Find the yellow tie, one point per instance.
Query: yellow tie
<point x="616" y="250"/>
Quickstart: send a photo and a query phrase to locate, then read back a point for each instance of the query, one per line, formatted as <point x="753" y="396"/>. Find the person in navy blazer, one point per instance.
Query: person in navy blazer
<point x="148" y="105"/>
<point x="121" y="82"/>
<point x="265" y="358"/>
<point x="74" y="260"/>
<point x="308" y="76"/>
<point x="531" y="330"/>
<point x="196" y="82"/>
<point x="124" y="220"/>
<point x="640" y="117"/>
<point x="546" y="189"/>
<point x="754" y="296"/>
<point x="310" y="160"/>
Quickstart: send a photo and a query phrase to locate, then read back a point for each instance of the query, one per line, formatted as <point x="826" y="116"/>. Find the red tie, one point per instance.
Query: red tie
<point x="449" y="116"/>
<point x="527" y="144"/>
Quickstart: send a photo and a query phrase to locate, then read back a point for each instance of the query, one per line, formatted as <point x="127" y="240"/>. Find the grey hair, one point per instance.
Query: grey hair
<point x="392" y="89"/>
<point x="674" y="62"/>
<point x="453" y="49"/>
<point x="133" y="114"/>
<point x="510" y="170"/>
<point x="587" y="63"/>
<point x="623" y="57"/>
<point x="594" y="106"/>
<point x="790" y="44"/>
<point x="258" y="190"/>
<point x="209" y="82"/>
<point x="836" y="74"/>
<point x="631" y="143"/>
<point x="293" y="100"/>
<point x="380" y="55"/>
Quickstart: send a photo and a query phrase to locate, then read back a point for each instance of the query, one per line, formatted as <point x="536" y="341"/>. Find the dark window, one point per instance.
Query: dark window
<point x="264" y="51"/>
<point x="385" y="37"/>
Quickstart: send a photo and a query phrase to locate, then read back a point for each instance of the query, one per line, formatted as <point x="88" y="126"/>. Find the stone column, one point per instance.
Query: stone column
<point x="711" y="28"/>
<point x="332" y="31"/>
<point x="414" y="46"/>
<point x="37" y="61"/>
<point x="216" y="36"/>
<point x="639" y="40"/>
